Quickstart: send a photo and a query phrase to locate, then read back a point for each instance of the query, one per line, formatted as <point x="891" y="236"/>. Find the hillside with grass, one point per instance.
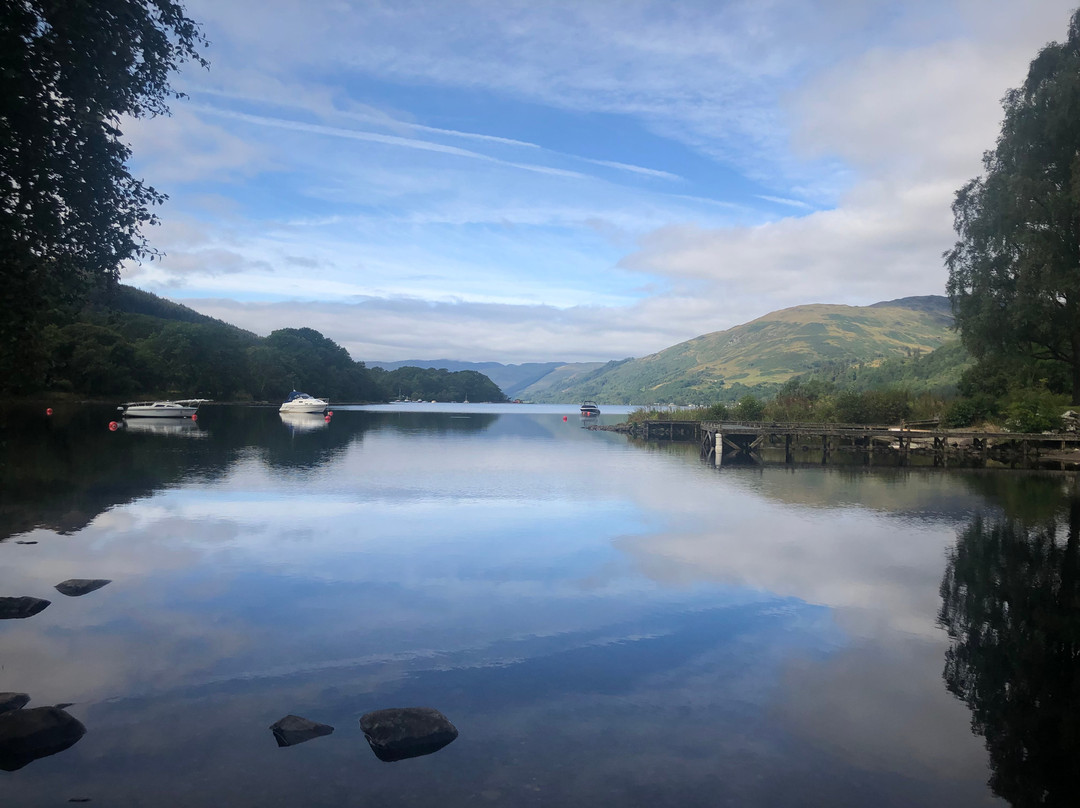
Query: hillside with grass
<point x="132" y="344"/>
<point x="761" y="355"/>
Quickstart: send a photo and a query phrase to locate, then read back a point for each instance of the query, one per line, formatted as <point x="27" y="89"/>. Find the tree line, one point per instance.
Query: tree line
<point x="107" y="352"/>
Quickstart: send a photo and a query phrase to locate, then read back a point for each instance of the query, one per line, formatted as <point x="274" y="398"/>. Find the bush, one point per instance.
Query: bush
<point x="716" y="412"/>
<point x="873" y="406"/>
<point x="749" y="408"/>
<point x="969" y="411"/>
<point x="1034" y="411"/>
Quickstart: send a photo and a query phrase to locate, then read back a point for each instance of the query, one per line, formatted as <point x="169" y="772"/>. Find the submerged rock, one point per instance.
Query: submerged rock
<point x="404" y="732"/>
<point x="292" y="729"/>
<point x="12" y="701"/>
<point x="18" y="608"/>
<point x="26" y="735"/>
<point x="73" y="587"/>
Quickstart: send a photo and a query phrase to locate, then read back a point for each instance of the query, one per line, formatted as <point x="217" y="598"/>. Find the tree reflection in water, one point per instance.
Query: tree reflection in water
<point x="1011" y="605"/>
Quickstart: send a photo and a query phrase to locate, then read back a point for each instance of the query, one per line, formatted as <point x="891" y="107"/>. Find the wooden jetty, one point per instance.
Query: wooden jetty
<point x="731" y="441"/>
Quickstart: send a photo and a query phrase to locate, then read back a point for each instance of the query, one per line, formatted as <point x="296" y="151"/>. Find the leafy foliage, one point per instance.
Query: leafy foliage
<point x="889" y="406"/>
<point x="70" y="212"/>
<point x="1013" y="273"/>
<point x="437" y="384"/>
<point x="1034" y="411"/>
<point x="749" y="408"/>
<point x="969" y="411"/>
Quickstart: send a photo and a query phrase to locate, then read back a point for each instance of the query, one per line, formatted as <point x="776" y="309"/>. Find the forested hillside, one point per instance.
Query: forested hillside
<point x="758" y="356"/>
<point x="129" y="343"/>
<point x="511" y="379"/>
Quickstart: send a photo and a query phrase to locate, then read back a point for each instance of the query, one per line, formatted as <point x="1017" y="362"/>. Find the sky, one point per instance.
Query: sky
<point x="494" y="180"/>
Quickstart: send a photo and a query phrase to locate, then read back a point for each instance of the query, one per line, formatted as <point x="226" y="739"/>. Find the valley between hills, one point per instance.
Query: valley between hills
<point x="909" y="340"/>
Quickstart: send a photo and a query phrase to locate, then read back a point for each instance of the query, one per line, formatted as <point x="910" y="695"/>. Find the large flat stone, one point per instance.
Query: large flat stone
<point x="405" y="732"/>
<point x="18" y="608"/>
<point x="26" y="735"/>
<point x="74" y="587"/>
<point x="293" y="729"/>
<point x="13" y="701"/>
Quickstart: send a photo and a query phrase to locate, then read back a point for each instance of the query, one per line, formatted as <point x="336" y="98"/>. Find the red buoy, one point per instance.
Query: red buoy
<point x="327" y="419"/>
<point x="113" y="426"/>
<point x="564" y="417"/>
<point x="48" y="410"/>
<point x="194" y="417"/>
<point x="329" y="412"/>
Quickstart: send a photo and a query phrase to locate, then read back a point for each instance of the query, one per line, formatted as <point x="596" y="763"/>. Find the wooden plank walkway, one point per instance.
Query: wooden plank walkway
<point x="722" y="441"/>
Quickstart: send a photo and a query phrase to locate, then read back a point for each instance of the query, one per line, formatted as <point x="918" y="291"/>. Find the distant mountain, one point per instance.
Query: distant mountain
<point x="511" y="379"/>
<point x="761" y="354"/>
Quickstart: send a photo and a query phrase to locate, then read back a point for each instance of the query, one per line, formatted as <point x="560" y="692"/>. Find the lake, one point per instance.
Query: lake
<point x="605" y="622"/>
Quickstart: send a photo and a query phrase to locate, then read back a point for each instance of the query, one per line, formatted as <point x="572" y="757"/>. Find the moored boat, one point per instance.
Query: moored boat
<point x="589" y="409"/>
<point x="180" y="408"/>
<point x="302" y="402"/>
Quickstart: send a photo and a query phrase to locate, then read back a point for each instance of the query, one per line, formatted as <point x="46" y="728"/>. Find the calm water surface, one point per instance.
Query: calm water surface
<point x="605" y="622"/>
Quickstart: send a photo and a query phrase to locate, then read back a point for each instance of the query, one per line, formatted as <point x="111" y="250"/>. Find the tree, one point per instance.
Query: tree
<point x="70" y="212"/>
<point x="1014" y="273"/>
<point x="1011" y="607"/>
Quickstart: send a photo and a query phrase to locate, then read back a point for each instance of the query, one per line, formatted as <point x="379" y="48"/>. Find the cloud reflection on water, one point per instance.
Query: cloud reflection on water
<point x="678" y="629"/>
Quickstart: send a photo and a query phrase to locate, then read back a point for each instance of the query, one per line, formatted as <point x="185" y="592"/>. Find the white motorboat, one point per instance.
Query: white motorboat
<point x="302" y="402"/>
<point x="181" y="408"/>
<point x="589" y="409"/>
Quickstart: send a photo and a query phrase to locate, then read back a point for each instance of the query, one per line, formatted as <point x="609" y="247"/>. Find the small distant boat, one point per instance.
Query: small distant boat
<point x="589" y="409"/>
<point x="181" y="408"/>
<point x="302" y="402"/>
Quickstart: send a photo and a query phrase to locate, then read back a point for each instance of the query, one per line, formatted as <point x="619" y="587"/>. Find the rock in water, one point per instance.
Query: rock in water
<point x="292" y="729"/>
<point x="405" y="732"/>
<point x="73" y="587"/>
<point x="12" y="701"/>
<point x="26" y="735"/>
<point x="18" y="608"/>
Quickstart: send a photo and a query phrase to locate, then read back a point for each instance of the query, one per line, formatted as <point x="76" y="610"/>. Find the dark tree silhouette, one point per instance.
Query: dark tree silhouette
<point x="1011" y="605"/>
<point x="1014" y="274"/>
<point x="70" y="213"/>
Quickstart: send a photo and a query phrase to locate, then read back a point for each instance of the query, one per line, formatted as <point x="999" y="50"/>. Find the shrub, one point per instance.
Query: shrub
<point x="1034" y="411"/>
<point x="716" y="412"/>
<point x="873" y="406"/>
<point x="749" y="408"/>
<point x="969" y="411"/>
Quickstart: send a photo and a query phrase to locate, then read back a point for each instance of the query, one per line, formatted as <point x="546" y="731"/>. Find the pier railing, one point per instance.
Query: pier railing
<point x="743" y="440"/>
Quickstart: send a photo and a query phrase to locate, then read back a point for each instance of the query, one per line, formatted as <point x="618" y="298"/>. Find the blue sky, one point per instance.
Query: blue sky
<point x="579" y="181"/>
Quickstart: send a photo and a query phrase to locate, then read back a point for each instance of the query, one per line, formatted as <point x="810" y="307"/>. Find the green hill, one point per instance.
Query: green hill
<point x="129" y="343"/>
<point x="759" y="355"/>
<point x="511" y="379"/>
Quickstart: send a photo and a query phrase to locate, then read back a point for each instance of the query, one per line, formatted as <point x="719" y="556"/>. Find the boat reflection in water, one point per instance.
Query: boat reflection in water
<point x="304" y="421"/>
<point x="177" y="427"/>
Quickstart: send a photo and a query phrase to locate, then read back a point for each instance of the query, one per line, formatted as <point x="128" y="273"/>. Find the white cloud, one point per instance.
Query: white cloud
<point x="575" y="180"/>
<point x="208" y="152"/>
<point x="913" y="125"/>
